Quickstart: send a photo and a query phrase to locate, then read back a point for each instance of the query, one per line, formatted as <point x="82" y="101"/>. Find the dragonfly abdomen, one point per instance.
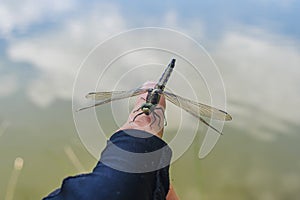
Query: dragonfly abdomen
<point x="165" y="76"/>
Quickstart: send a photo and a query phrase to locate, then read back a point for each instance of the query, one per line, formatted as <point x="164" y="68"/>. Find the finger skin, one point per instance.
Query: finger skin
<point x="143" y="121"/>
<point x="172" y="194"/>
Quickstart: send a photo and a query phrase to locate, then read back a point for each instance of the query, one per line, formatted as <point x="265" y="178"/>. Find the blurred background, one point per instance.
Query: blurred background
<point x="254" y="43"/>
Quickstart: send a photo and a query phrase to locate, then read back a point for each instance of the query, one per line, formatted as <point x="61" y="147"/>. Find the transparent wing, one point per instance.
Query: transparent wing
<point x="106" y="97"/>
<point x="198" y="109"/>
<point x="102" y="96"/>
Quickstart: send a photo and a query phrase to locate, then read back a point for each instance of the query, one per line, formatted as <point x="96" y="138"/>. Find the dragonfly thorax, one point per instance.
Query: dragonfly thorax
<point x="153" y="96"/>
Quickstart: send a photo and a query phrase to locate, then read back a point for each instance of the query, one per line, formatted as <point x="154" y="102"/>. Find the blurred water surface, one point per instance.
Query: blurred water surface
<point x="242" y="165"/>
<point x="255" y="45"/>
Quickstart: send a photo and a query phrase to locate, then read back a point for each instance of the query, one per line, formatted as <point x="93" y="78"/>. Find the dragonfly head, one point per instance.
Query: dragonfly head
<point x="146" y="108"/>
<point x="146" y="111"/>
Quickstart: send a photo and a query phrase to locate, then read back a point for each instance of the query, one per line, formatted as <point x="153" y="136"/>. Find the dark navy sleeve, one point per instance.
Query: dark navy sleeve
<point x="133" y="166"/>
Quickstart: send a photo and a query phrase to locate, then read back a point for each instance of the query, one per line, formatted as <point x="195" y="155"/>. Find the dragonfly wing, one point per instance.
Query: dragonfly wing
<point x="101" y="96"/>
<point x="106" y="97"/>
<point x="197" y="108"/>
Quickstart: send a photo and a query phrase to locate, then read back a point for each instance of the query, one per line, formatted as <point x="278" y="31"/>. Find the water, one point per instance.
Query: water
<point x="256" y="158"/>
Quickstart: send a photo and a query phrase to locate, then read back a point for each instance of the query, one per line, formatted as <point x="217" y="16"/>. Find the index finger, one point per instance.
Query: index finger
<point x="152" y="123"/>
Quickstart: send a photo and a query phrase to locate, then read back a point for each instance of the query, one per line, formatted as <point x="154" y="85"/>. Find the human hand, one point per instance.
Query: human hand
<point x="143" y="122"/>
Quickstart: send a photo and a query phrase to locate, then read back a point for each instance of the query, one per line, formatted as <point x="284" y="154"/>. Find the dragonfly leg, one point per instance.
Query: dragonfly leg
<point x="165" y="120"/>
<point x="136" y="116"/>
<point x="143" y="98"/>
<point x="155" y="115"/>
<point x="140" y="108"/>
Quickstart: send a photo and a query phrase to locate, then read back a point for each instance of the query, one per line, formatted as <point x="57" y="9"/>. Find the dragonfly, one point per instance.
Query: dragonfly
<point x="154" y="94"/>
